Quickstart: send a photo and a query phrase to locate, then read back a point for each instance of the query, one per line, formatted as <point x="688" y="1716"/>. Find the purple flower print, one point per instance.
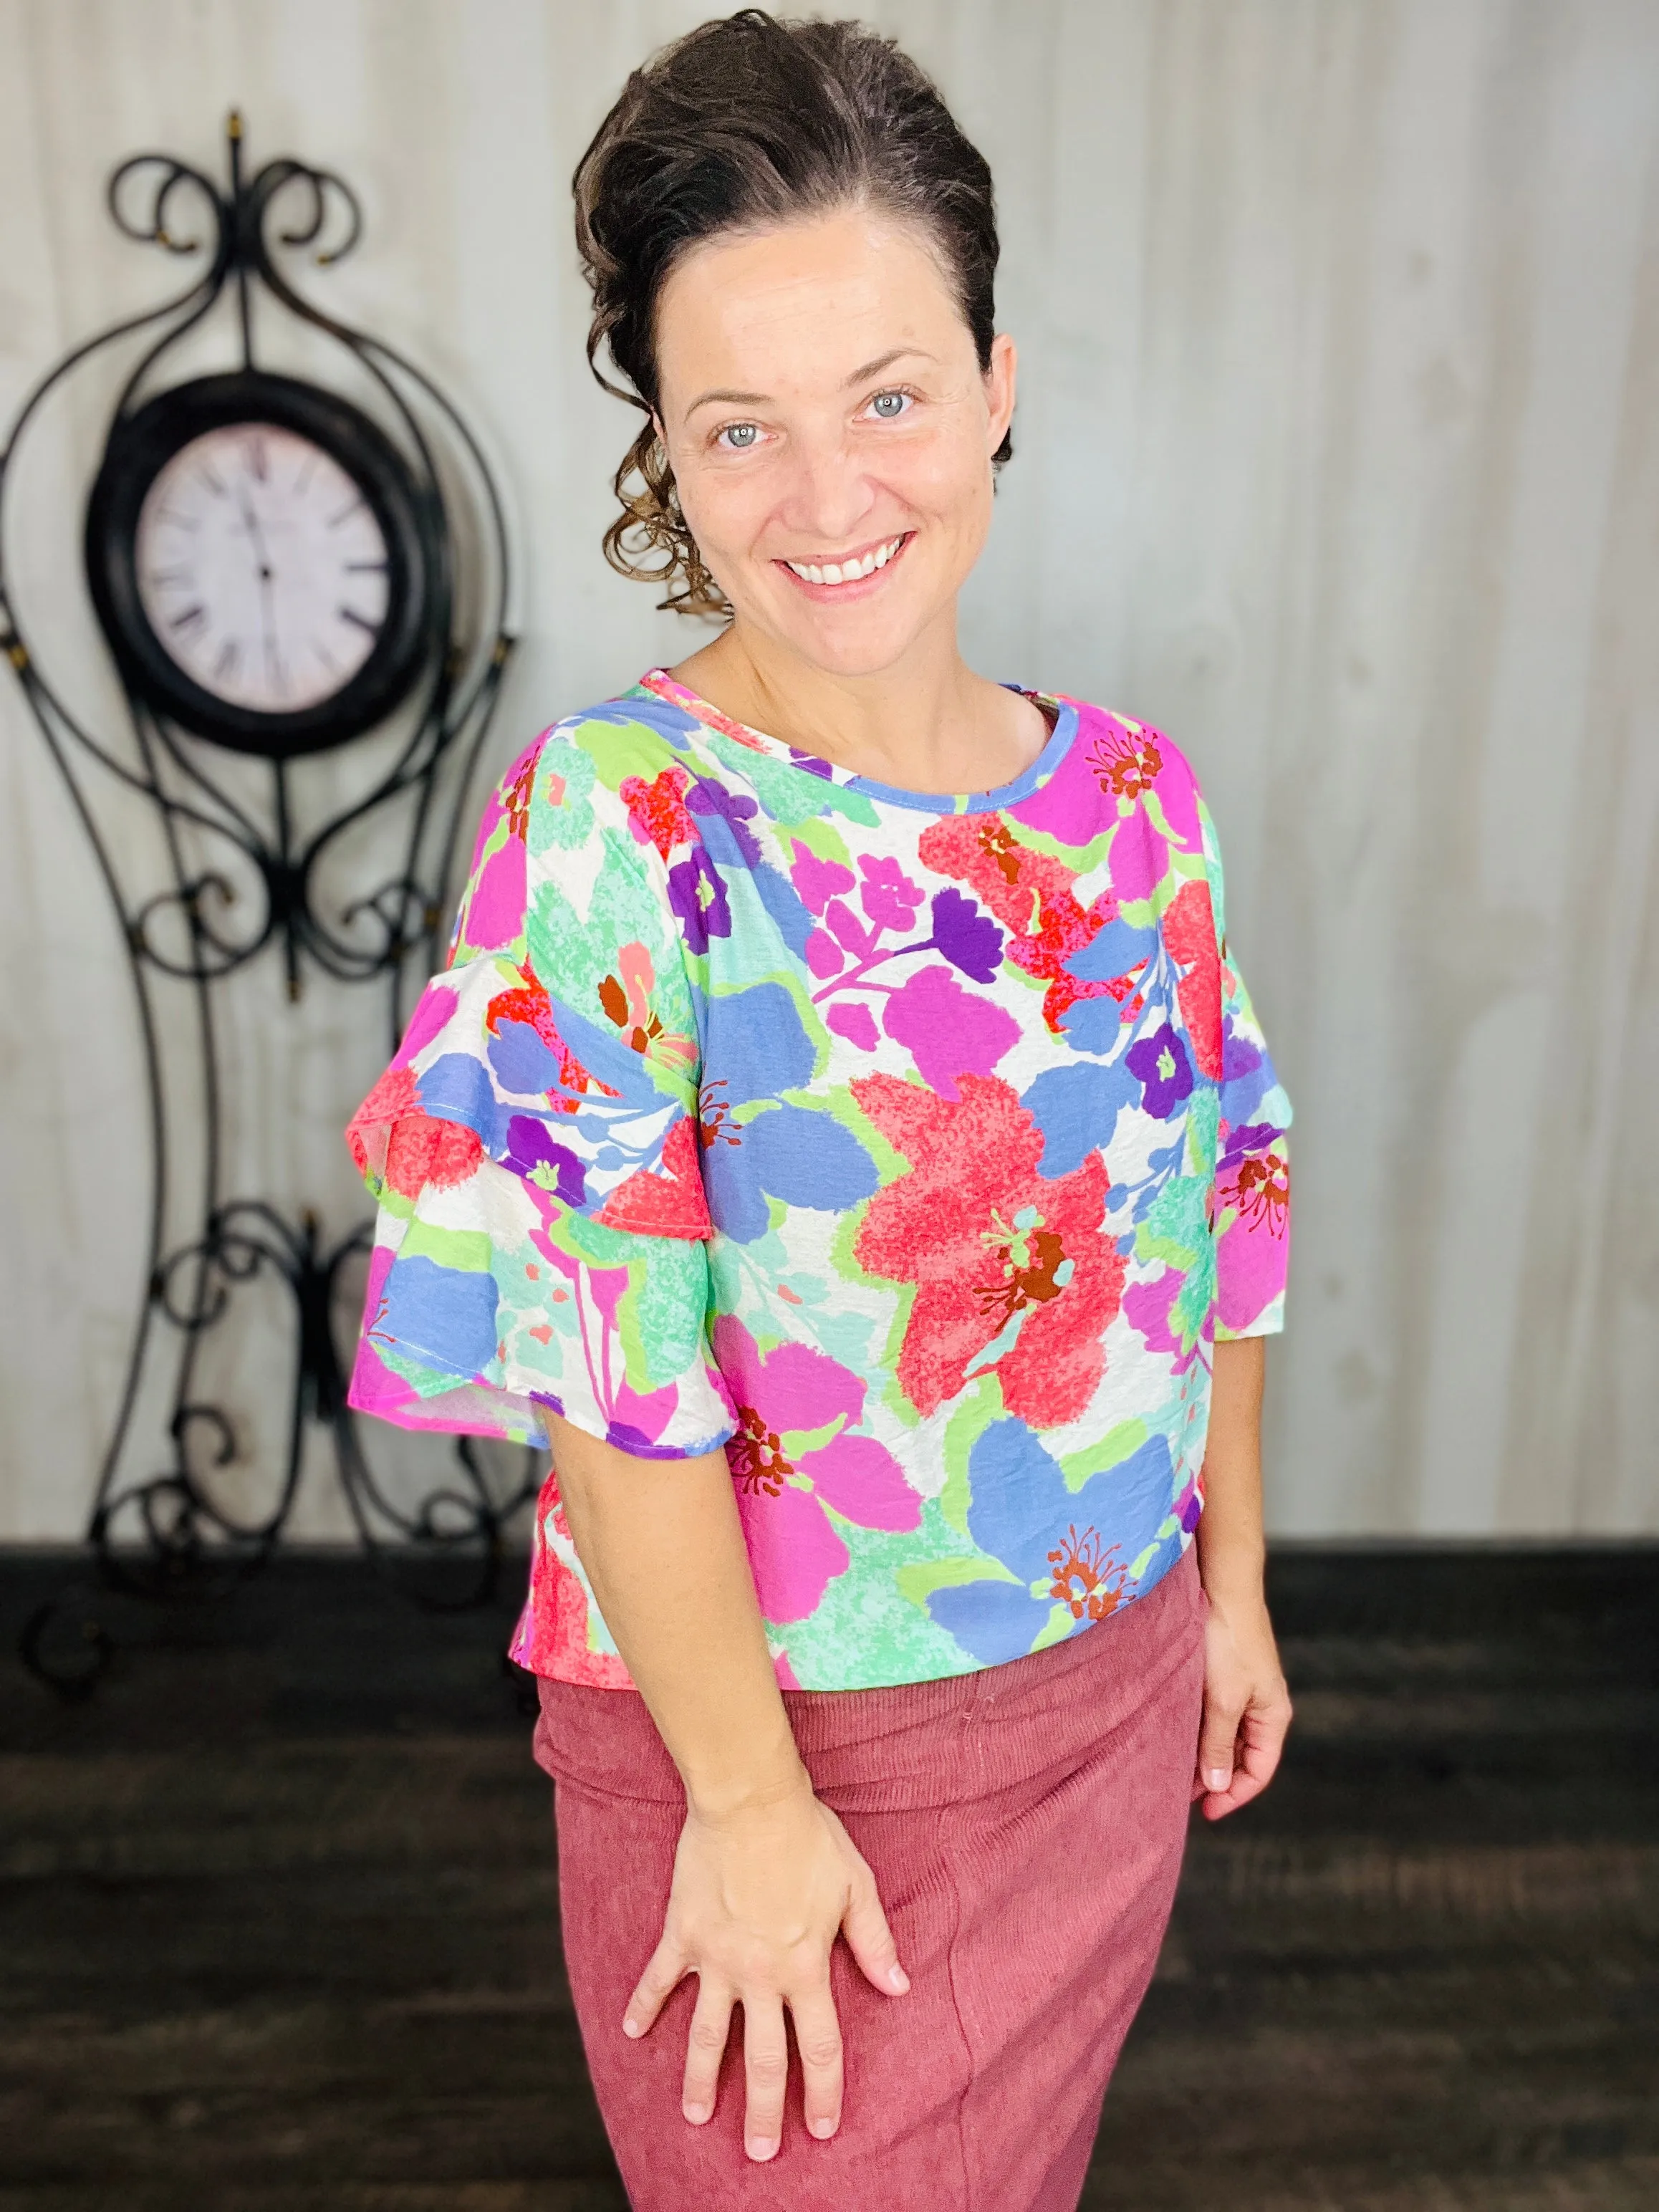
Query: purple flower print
<point x="969" y="939"/>
<point x="713" y="802"/>
<point x="1160" y="1063"/>
<point x="698" y="897"/>
<point x="889" y="897"/>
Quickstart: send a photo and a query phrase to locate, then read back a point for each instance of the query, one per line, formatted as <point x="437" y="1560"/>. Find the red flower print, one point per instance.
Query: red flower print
<point x="1003" y="1260"/>
<point x="668" y="1204"/>
<point x="657" y="811"/>
<point x="1030" y="894"/>
<point x="1189" y="933"/>
<point x="420" y="1150"/>
<point x="390" y="1136"/>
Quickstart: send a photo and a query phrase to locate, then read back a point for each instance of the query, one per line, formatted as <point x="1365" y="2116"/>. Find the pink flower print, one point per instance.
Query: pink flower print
<point x="823" y="954"/>
<point x="494" y="912"/>
<point x="783" y="1486"/>
<point x="947" y="1030"/>
<point x="436" y="1005"/>
<point x="817" y="881"/>
<point x="854" y="1021"/>
<point x="887" y="895"/>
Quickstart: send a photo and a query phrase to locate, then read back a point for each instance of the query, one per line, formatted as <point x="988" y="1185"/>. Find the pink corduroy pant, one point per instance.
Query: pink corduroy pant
<point x="1024" y="1825"/>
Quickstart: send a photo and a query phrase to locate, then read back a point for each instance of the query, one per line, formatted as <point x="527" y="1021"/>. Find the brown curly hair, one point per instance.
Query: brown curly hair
<point x="752" y="120"/>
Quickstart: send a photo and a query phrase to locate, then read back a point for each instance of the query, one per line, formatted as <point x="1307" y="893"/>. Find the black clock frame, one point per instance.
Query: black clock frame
<point x="169" y="1531"/>
<point x="140" y="445"/>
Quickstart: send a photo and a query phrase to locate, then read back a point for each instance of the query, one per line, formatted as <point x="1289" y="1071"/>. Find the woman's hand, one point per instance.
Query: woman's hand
<point x="1247" y="1705"/>
<point x="758" y="1897"/>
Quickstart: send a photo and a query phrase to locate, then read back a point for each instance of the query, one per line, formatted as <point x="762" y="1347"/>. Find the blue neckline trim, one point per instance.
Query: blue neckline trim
<point x="1048" y="760"/>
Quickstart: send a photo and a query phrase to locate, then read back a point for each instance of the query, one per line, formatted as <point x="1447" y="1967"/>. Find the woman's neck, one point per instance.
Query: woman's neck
<point x="926" y="724"/>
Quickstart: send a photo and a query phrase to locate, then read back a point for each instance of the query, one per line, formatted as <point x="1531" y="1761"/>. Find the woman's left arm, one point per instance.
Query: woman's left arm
<point x="1247" y="1703"/>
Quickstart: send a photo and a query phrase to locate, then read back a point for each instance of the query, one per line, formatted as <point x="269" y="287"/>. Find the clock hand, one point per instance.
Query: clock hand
<point x="267" y="624"/>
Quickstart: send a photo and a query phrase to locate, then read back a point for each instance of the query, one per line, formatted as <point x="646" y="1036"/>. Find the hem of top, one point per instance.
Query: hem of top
<point x="1275" y="1326"/>
<point x="544" y="1402"/>
<point x="1031" y="779"/>
<point x="550" y="1403"/>
<point x="1072" y="1643"/>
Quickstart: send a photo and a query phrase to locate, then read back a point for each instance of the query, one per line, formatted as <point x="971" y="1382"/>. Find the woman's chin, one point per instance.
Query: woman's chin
<point x="862" y="639"/>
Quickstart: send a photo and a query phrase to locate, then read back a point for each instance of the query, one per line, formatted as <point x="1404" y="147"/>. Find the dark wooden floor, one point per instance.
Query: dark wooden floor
<point x="277" y="1919"/>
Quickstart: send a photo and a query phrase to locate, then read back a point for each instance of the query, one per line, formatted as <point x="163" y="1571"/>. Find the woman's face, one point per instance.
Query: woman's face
<point x="825" y="415"/>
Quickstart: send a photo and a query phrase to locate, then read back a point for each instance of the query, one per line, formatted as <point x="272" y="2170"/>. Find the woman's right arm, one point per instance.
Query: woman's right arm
<point x="765" y="1877"/>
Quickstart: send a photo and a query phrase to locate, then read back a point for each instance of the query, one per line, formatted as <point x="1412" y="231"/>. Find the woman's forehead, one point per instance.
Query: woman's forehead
<point x="817" y="297"/>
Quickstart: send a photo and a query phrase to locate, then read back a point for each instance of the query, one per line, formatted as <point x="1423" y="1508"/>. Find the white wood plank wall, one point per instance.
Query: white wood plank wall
<point x="1338" y="457"/>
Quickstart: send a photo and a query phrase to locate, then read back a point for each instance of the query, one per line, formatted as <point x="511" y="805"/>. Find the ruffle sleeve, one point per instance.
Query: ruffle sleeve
<point x="1253" y="1172"/>
<point x="540" y="1241"/>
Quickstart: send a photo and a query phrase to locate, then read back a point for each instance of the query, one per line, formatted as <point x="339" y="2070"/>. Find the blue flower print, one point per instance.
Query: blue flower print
<point x="755" y="1049"/>
<point x="1018" y="1499"/>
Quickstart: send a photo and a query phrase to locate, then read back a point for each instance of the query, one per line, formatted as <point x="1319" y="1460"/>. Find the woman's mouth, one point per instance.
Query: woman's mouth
<point x="835" y="578"/>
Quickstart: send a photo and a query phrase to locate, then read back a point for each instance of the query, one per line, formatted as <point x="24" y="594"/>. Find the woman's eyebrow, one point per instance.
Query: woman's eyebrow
<point x="762" y="399"/>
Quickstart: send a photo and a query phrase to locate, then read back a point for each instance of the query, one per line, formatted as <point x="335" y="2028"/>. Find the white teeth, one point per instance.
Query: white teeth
<point x="846" y="572"/>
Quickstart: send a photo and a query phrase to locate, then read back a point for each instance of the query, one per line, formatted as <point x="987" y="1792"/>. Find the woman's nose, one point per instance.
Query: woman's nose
<point x="831" y="497"/>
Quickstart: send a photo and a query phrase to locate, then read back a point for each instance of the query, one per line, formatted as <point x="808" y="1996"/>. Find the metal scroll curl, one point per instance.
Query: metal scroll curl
<point x="240" y="881"/>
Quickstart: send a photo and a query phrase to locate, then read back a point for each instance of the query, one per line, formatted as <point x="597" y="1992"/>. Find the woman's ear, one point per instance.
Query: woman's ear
<point x="1001" y="378"/>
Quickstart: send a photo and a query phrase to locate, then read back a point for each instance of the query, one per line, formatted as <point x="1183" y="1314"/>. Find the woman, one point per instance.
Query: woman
<point x="842" y="1134"/>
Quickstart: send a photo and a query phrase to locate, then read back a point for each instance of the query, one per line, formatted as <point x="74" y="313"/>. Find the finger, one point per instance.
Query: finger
<point x="765" y="2071"/>
<point x="665" y="1970"/>
<point x="705" y="2047"/>
<point x="1260" y="1746"/>
<point x="818" y="2038"/>
<point x="1216" y="1744"/>
<point x="870" y="1939"/>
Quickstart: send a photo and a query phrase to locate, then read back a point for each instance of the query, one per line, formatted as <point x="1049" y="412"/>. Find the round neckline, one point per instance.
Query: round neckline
<point x="1036" y="773"/>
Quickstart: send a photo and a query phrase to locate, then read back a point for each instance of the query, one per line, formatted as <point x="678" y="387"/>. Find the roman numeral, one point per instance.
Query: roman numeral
<point x="363" y="566"/>
<point x="190" y="618"/>
<point x="350" y="508"/>
<point x="229" y="654"/>
<point x="351" y="615"/>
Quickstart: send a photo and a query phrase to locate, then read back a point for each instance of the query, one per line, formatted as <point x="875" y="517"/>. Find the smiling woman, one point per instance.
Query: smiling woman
<point x="843" y="1132"/>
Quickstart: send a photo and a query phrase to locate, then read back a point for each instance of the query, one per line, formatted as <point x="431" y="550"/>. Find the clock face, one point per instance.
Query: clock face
<point x="262" y="567"/>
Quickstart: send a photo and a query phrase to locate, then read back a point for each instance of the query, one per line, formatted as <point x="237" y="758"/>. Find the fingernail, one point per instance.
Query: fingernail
<point x="761" y="2147"/>
<point x="1218" y="1777"/>
<point x="696" y="2113"/>
<point x="822" y="2128"/>
<point x="897" y="1979"/>
<point x="630" y="2027"/>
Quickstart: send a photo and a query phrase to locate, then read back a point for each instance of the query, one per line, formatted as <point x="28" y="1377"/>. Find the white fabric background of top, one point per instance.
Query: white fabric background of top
<point x="1338" y="457"/>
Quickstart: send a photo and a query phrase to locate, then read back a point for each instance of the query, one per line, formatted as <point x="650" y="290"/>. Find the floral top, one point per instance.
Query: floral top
<point x="917" y="1149"/>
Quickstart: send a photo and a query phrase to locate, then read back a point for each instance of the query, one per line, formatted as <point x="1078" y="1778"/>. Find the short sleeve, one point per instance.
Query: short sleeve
<point x="540" y="1241"/>
<point x="1253" y="1174"/>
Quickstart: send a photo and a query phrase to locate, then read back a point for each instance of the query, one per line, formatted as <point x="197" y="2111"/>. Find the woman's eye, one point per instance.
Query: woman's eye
<point x="888" y="405"/>
<point x="739" y="436"/>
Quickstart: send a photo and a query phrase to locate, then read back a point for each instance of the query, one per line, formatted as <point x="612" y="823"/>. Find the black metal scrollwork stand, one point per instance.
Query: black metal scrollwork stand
<point x="171" y="1532"/>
